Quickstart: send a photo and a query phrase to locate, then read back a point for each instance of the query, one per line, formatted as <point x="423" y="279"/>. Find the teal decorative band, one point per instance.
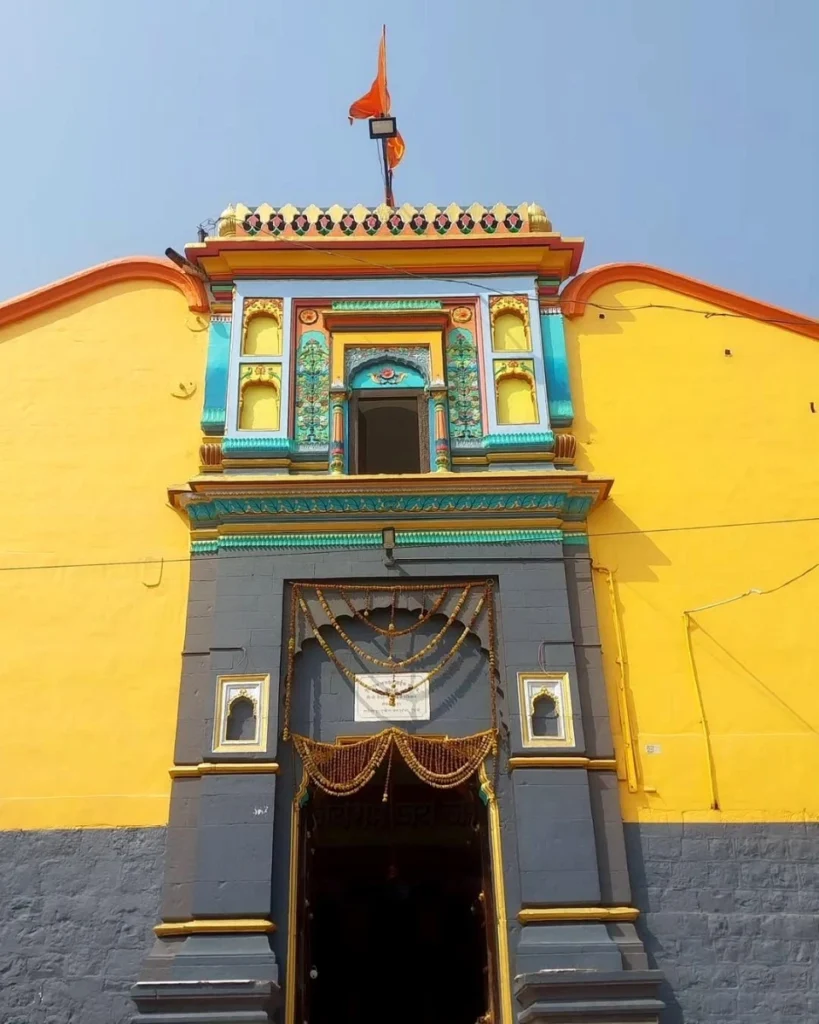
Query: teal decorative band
<point x="214" y="418"/>
<point x="558" y="386"/>
<point x="216" y="378"/>
<point x="255" y="447"/>
<point x="515" y="440"/>
<point x="384" y="305"/>
<point x="373" y="539"/>
<point x="560" y="504"/>
<point x="575" y="538"/>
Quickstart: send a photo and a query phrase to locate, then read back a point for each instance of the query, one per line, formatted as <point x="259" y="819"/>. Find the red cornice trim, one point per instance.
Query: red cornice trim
<point x="578" y="292"/>
<point x="134" y="268"/>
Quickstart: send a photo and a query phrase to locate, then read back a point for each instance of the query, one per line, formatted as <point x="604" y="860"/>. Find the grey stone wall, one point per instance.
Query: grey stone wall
<point x="77" y="910"/>
<point x="730" y="914"/>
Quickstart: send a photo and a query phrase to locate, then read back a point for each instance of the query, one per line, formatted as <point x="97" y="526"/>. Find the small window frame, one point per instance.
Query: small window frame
<point x="232" y="687"/>
<point x="531" y="685"/>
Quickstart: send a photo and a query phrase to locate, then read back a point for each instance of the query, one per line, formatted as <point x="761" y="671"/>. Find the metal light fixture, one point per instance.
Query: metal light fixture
<point x="383" y="128"/>
<point x="388" y="543"/>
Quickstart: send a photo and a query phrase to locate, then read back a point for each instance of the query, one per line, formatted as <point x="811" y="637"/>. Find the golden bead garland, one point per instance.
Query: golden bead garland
<point x="341" y="769"/>
<point x="441" y="592"/>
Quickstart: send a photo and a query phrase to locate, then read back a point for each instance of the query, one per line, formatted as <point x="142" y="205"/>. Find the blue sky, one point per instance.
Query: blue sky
<point x="682" y="134"/>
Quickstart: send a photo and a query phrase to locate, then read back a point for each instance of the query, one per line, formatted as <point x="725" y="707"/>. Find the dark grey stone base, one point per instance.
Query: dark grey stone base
<point x="77" y="910"/>
<point x="588" y="997"/>
<point x="208" y="979"/>
<point x="730" y="915"/>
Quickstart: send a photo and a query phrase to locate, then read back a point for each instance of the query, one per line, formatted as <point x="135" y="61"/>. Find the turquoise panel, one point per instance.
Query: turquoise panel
<point x="216" y="378"/>
<point x="385" y="375"/>
<point x="255" y="447"/>
<point x="561" y="410"/>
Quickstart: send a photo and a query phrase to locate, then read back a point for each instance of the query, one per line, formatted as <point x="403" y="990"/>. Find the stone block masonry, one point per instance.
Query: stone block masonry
<point x="730" y="915"/>
<point x="77" y="911"/>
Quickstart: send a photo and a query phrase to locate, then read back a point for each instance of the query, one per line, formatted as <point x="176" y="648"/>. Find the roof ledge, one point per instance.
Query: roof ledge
<point x="132" y="268"/>
<point x="578" y="293"/>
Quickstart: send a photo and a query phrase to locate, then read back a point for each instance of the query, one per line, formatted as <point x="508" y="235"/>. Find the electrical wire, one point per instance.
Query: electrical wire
<point x="592" y="536"/>
<point x="707" y="314"/>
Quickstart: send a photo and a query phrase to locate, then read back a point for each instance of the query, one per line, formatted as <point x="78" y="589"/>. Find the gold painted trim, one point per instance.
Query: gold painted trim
<point x="504" y="978"/>
<point x="537" y="915"/>
<point x="216" y="926"/>
<point x="190" y="771"/>
<point x="520" y="457"/>
<point x="292" y="910"/>
<point x="566" y="710"/>
<point x="378" y="337"/>
<point x="602" y="764"/>
<point x="629" y="746"/>
<point x="222" y="711"/>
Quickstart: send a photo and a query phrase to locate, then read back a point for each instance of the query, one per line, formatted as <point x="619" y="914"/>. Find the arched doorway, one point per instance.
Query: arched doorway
<point x="431" y="850"/>
<point x="397" y="918"/>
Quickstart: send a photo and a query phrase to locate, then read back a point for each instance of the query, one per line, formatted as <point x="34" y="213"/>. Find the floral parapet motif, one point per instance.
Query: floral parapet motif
<point x="313" y="390"/>
<point x="464" y="387"/>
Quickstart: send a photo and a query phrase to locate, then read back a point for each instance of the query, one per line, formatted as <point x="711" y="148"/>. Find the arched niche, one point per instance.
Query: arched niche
<point x="510" y="334"/>
<point x="242" y="723"/>
<point x="262" y="327"/>
<point x="516" y="399"/>
<point x="260" y="405"/>
<point x="263" y="336"/>
<point x="545" y="717"/>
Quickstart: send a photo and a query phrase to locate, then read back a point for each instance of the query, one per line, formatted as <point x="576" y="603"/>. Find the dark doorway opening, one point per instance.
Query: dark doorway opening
<point x="397" y="902"/>
<point x="389" y="433"/>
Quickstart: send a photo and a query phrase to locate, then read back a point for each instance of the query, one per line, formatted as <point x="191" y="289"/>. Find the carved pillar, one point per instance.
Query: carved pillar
<point x="438" y="394"/>
<point x="338" y="420"/>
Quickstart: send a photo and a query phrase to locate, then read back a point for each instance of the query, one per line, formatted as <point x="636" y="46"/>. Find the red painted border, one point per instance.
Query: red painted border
<point x="133" y="268"/>
<point x="578" y="292"/>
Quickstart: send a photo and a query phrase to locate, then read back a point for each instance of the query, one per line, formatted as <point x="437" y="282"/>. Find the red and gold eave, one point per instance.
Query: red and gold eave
<point x="386" y="242"/>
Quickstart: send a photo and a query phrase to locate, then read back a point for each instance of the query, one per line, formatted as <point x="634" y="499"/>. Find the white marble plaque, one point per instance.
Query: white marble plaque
<point x="392" y="705"/>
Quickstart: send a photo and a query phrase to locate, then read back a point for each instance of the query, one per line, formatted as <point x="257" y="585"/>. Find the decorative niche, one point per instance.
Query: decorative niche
<point x="545" y="709"/>
<point x="240" y="718"/>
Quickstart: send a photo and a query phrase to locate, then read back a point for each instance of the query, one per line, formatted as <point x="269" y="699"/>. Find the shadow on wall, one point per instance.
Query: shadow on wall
<point x="660" y="955"/>
<point x="618" y="543"/>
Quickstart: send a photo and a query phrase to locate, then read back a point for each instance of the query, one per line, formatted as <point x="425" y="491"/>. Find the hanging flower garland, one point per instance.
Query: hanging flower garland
<point x="300" y="612"/>
<point x="341" y="769"/>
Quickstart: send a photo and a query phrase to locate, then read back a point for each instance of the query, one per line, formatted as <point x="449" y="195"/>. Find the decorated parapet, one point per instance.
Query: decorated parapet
<point x="385" y="341"/>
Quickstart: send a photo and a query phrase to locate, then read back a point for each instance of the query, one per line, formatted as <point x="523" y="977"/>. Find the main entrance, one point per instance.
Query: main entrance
<point x="396" y="905"/>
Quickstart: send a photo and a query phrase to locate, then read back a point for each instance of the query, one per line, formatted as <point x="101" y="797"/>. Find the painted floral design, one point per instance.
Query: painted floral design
<point x="313" y="390"/>
<point x="464" y="387"/>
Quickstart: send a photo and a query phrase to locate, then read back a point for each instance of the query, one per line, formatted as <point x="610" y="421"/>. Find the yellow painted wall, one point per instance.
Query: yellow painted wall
<point x="697" y="440"/>
<point x="90" y="656"/>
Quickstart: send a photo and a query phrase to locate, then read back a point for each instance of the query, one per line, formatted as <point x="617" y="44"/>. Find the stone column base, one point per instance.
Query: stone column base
<point x="589" y="997"/>
<point x="208" y="979"/>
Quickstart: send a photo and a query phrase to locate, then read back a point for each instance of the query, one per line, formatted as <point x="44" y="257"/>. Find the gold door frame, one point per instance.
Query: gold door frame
<point x="496" y="855"/>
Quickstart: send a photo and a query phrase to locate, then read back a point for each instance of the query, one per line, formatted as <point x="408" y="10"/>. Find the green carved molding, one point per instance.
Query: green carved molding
<point x="575" y="538"/>
<point x="372" y="539"/>
<point x="384" y="305"/>
<point x="542" y="440"/>
<point x="214" y="510"/>
<point x="255" y="447"/>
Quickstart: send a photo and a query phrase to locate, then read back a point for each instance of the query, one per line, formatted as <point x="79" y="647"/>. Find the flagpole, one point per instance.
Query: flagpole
<point x="389" y="198"/>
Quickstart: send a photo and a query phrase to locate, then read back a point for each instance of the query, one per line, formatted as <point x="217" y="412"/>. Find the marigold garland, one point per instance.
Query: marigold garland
<point x="341" y="769"/>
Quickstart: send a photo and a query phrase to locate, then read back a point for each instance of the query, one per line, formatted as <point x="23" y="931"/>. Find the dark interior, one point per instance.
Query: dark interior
<point x="395" y="928"/>
<point x="388" y="435"/>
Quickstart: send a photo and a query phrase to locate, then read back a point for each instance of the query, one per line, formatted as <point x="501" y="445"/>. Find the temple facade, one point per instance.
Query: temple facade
<point x="407" y="634"/>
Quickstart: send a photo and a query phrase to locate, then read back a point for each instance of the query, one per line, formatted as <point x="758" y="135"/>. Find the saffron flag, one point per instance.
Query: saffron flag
<point x="376" y="103"/>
